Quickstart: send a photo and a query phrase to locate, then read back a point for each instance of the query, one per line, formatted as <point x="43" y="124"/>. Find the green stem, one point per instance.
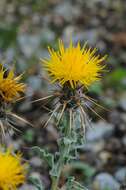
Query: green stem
<point x="54" y="183"/>
<point x="63" y="152"/>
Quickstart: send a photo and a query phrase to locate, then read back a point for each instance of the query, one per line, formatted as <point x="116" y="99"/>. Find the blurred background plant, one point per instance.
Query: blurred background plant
<point x="26" y="28"/>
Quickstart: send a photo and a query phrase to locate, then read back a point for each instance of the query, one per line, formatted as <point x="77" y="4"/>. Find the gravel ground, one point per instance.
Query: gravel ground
<point x="26" y="28"/>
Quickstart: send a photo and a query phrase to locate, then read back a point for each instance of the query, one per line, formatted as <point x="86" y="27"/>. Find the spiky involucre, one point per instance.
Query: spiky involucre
<point x="74" y="65"/>
<point x="12" y="172"/>
<point x="10" y="88"/>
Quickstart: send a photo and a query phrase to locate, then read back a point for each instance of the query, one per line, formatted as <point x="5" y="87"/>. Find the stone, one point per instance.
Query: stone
<point x="122" y="101"/>
<point x="29" y="44"/>
<point x="124" y="140"/>
<point x="47" y="35"/>
<point x="120" y="175"/>
<point x="105" y="181"/>
<point x="26" y="187"/>
<point x="67" y="11"/>
<point x="99" y="130"/>
<point x="34" y="82"/>
<point x="36" y="161"/>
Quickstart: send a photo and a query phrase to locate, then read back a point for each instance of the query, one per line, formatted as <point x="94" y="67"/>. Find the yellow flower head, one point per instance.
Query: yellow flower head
<point x="9" y="85"/>
<point x="12" y="172"/>
<point x="74" y="65"/>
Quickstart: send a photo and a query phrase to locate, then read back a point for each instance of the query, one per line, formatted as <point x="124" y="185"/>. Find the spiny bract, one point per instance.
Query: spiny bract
<point x="9" y="85"/>
<point x="74" y="65"/>
<point x="12" y="172"/>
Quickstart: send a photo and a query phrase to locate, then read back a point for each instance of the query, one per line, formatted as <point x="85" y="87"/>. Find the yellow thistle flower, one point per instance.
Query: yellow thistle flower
<point x="9" y="85"/>
<point x="74" y="65"/>
<point x="12" y="172"/>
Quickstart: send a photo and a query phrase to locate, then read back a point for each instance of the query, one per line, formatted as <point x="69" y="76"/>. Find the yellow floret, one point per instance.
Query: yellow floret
<point x="74" y="65"/>
<point x="12" y="172"/>
<point x="10" y="88"/>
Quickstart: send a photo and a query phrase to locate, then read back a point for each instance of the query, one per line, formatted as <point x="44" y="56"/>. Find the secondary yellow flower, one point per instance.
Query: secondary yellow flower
<point x="74" y="65"/>
<point x="12" y="172"/>
<point x="10" y="87"/>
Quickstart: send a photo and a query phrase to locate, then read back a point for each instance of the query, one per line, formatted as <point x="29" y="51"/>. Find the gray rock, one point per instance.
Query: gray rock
<point x="69" y="31"/>
<point x="10" y="53"/>
<point x="29" y="44"/>
<point x="34" y="82"/>
<point x="25" y="10"/>
<point x="100" y="130"/>
<point x="105" y="181"/>
<point x="122" y="101"/>
<point x="22" y="64"/>
<point x="120" y="175"/>
<point x="105" y="3"/>
<point x="94" y="147"/>
<point x="91" y="35"/>
<point x="25" y="106"/>
<point x="67" y="11"/>
<point x="36" y="161"/>
<point x="47" y="36"/>
<point x="27" y="187"/>
<point x="124" y="140"/>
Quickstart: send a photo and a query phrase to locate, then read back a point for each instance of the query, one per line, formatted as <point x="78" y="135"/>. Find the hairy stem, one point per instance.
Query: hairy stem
<point x="64" y="150"/>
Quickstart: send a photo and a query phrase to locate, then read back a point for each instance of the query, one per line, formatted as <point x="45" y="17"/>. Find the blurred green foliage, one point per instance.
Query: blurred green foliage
<point x="8" y="36"/>
<point x="29" y="136"/>
<point x="117" y="79"/>
<point x="86" y="170"/>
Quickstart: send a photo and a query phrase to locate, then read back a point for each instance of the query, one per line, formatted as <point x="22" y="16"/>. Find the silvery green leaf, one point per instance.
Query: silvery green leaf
<point x="37" y="183"/>
<point x="87" y="170"/>
<point x="67" y="141"/>
<point x="54" y="172"/>
<point x="44" y="154"/>
<point x="74" y="185"/>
